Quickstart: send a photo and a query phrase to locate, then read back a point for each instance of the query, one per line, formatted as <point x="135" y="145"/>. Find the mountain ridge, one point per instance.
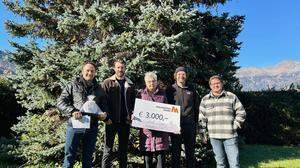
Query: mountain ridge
<point x="278" y="76"/>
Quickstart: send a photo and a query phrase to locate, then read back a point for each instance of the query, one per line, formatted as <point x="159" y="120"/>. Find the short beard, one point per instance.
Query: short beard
<point x="120" y="75"/>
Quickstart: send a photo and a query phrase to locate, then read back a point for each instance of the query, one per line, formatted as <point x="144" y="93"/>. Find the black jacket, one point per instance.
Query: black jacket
<point x="188" y="100"/>
<point x="76" y="94"/>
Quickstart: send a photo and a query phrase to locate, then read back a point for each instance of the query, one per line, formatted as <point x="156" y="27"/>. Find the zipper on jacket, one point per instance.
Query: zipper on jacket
<point x="120" y="103"/>
<point x="125" y="90"/>
<point x="154" y="142"/>
<point x="125" y="99"/>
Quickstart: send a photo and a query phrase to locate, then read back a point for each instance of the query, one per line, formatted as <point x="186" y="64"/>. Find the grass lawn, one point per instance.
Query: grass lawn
<point x="252" y="156"/>
<point x="265" y="156"/>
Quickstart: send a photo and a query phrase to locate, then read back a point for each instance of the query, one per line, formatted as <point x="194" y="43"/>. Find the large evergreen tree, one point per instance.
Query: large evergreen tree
<point x="149" y="35"/>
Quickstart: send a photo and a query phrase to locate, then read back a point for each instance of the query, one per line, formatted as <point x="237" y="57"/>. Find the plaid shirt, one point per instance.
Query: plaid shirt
<point x="221" y="115"/>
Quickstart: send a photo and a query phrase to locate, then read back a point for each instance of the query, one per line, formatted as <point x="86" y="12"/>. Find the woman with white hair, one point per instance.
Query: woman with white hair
<point x="153" y="143"/>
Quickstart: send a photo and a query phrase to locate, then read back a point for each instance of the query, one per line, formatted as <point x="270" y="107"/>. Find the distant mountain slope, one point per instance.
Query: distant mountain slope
<point x="5" y="66"/>
<point x="277" y="76"/>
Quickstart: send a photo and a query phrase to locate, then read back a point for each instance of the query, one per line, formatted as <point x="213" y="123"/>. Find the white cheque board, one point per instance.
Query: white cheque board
<point x="156" y="116"/>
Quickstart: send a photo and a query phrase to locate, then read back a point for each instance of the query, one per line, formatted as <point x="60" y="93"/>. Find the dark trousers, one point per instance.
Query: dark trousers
<point x="123" y="131"/>
<point x="73" y="138"/>
<point x="188" y="137"/>
<point x="160" y="159"/>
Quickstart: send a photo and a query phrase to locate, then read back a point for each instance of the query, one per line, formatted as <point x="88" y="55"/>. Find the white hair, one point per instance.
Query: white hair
<point x="150" y="75"/>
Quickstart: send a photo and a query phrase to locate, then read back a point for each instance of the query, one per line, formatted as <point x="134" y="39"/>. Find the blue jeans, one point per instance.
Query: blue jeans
<point x="229" y="147"/>
<point x="73" y="138"/>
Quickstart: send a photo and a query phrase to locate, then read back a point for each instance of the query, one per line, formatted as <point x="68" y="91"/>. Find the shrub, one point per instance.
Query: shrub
<point x="7" y="153"/>
<point x="41" y="138"/>
<point x="9" y="108"/>
<point x="272" y="117"/>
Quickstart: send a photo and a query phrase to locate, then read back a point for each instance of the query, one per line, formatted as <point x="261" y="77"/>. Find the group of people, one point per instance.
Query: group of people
<point x="220" y="113"/>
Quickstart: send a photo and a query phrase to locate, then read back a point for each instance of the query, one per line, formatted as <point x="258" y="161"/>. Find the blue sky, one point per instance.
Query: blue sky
<point x="271" y="31"/>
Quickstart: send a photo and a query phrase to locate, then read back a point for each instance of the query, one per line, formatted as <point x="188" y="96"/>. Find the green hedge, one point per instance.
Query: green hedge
<point x="273" y="117"/>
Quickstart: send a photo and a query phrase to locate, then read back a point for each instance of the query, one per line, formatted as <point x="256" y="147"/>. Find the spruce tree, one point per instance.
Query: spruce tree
<point x="150" y="35"/>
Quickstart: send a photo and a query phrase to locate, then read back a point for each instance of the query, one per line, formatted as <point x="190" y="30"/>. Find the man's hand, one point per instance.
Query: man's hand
<point x="77" y="115"/>
<point x="108" y="122"/>
<point x="129" y="119"/>
<point x="204" y="138"/>
<point x="102" y="116"/>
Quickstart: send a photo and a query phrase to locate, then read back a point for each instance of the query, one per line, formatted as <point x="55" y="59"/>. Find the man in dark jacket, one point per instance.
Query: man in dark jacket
<point x="69" y="103"/>
<point x="120" y="95"/>
<point x="187" y="98"/>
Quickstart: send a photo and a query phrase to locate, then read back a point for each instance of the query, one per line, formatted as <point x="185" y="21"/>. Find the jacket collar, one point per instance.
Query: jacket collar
<point x="80" y="80"/>
<point x="223" y="93"/>
<point x="176" y="86"/>
<point x="114" y="78"/>
<point x="146" y="91"/>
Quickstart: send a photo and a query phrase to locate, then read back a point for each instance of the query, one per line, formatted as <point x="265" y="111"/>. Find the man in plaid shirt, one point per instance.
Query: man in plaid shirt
<point x="221" y="113"/>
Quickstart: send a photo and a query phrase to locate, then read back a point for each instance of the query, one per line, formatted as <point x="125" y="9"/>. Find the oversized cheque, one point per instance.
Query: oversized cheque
<point x="156" y="116"/>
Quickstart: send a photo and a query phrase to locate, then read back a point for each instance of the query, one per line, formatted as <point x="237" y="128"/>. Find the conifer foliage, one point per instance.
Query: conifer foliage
<point x="150" y="35"/>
